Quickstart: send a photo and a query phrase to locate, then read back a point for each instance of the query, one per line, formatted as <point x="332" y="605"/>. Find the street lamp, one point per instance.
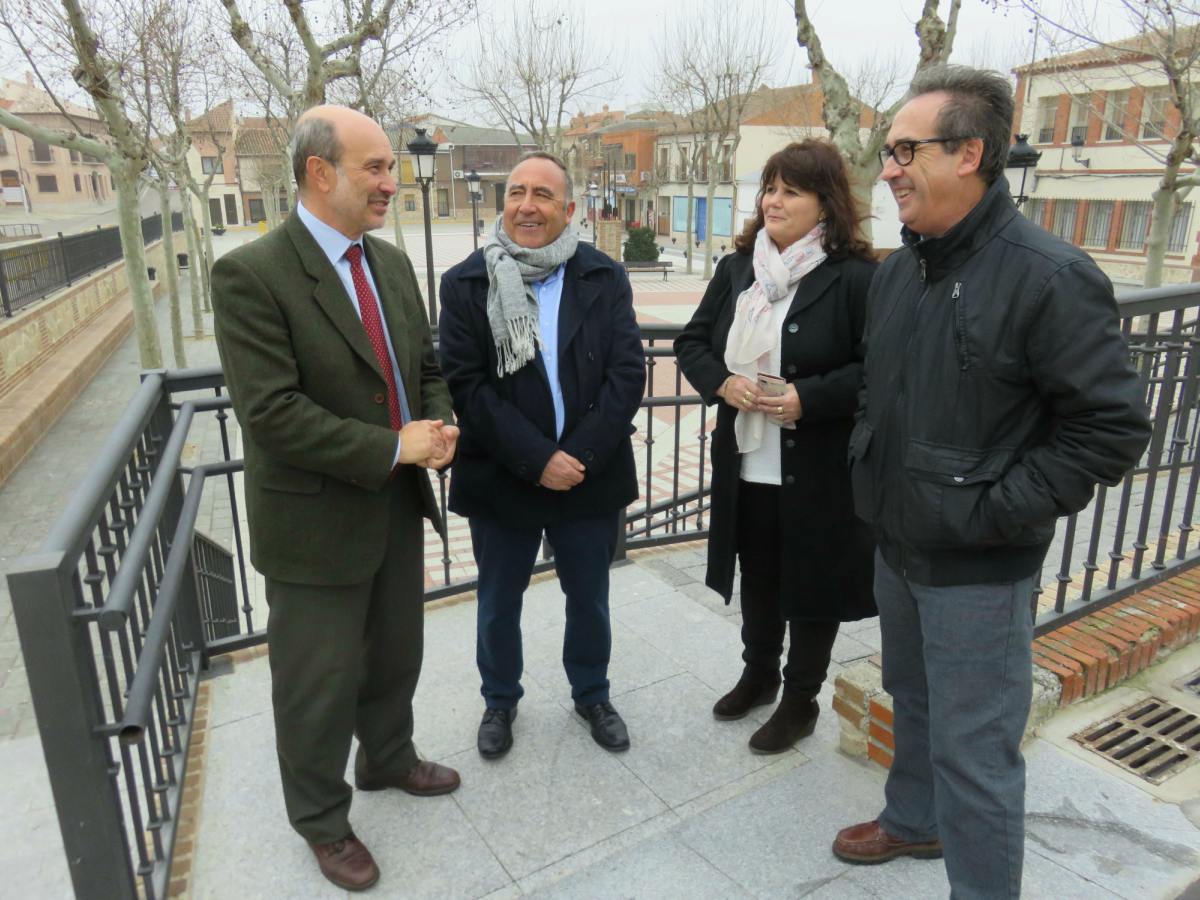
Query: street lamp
<point x="593" y="194"/>
<point x="1021" y="158"/>
<point x="473" y="188"/>
<point x="424" y="152"/>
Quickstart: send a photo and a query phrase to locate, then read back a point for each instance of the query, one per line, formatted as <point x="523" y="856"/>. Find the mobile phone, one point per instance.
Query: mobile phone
<point x="774" y="386"/>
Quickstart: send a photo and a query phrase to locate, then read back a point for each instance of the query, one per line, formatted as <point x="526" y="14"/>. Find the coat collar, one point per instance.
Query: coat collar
<point x="810" y="289"/>
<point x="329" y="293"/>
<point x="947" y="252"/>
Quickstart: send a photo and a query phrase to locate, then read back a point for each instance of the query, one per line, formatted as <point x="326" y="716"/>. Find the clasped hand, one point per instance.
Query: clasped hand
<point x="743" y="394"/>
<point x="428" y="443"/>
<point x="562" y="472"/>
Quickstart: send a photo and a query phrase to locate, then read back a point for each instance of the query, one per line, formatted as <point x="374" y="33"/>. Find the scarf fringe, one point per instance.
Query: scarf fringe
<point x="516" y="349"/>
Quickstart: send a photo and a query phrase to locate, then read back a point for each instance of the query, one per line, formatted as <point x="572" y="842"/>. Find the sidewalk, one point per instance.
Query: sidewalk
<point x="688" y="812"/>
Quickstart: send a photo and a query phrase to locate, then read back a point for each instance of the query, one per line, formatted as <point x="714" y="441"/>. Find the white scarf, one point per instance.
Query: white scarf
<point x="751" y="337"/>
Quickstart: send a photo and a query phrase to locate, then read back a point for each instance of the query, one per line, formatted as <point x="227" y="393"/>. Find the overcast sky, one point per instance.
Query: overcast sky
<point x="852" y="32"/>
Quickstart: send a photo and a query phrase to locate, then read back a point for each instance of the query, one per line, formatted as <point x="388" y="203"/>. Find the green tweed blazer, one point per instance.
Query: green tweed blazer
<point x="310" y="398"/>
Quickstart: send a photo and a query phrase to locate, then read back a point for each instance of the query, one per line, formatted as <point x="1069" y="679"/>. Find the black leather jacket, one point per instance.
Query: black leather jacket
<point x="998" y="393"/>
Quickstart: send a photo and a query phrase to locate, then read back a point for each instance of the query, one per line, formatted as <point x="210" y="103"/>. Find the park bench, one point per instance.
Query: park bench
<point x="659" y="266"/>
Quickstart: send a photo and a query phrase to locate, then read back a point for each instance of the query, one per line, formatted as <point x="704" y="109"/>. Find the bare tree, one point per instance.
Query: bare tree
<point x="719" y="55"/>
<point x="547" y="65"/>
<point x="47" y="33"/>
<point x="857" y="130"/>
<point x="1165" y="46"/>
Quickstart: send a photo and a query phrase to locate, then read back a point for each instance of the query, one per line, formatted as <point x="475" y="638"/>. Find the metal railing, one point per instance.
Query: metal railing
<point x="126" y="601"/>
<point x="34" y="270"/>
<point x="19" y="231"/>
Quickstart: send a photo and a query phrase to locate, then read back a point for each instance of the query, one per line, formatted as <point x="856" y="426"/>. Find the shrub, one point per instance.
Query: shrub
<point x="640" y="247"/>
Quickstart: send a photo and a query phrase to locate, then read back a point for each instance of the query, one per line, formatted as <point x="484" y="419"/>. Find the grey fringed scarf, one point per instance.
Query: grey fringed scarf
<point x="511" y="305"/>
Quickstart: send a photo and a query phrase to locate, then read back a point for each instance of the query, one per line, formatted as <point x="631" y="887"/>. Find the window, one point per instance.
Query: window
<point x="1064" y="219"/>
<point x="443" y="202"/>
<point x="722" y="217"/>
<point x="685" y="163"/>
<point x="406" y="172"/>
<point x="78" y="185"/>
<point x="1098" y="224"/>
<point x="1135" y="223"/>
<point x="679" y="214"/>
<point x="283" y="207"/>
<point x="727" y="163"/>
<point x="630" y="162"/>
<point x="74" y="154"/>
<point x="47" y="184"/>
<point x="3" y="144"/>
<point x="257" y="212"/>
<point x="1154" y="113"/>
<point x="410" y="202"/>
<point x="664" y="162"/>
<point x="112" y="182"/>
<point x="1035" y="212"/>
<point x="702" y="164"/>
<point x="211" y="165"/>
<point x="1080" y="107"/>
<point x="42" y="152"/>
<point x="1115" y="105"/>
<point x="1047" y="111"/>
<point x="1177" y="239"/>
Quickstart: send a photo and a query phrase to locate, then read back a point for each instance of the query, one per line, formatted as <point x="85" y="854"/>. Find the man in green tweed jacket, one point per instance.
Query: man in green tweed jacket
<point x="330" y="366"/>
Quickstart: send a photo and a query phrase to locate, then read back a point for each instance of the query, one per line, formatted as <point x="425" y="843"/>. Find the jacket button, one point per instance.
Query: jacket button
<point x="380" y="398"/>
<point x="588" y="455"/>
<point x="789" y="479"/>
<point x="793" y="328"/>
<point x="790" y="444"/>
<point x="791" y="369"/>
<point x="591" y="356"/>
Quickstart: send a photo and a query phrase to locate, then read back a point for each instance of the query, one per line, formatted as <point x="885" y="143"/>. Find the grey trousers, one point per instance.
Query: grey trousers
<point x="958" y="664"/>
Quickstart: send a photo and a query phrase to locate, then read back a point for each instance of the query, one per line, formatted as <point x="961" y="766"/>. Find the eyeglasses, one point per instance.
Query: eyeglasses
<point x="904" y="151"/>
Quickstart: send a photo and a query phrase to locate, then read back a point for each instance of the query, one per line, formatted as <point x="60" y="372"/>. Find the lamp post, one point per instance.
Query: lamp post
<point x="1021" y="157"/>
<point x="593" y="193"/>
<point x="473" y="187"/>
<point x="423" y="152"/>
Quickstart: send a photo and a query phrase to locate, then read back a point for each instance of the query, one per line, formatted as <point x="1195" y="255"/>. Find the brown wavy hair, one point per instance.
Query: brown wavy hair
<point x="815" y="166"/>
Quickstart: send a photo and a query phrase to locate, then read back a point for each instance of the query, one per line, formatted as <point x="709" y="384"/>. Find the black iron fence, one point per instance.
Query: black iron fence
<point x="126" y="601"/>
<point x="32" y="271"/>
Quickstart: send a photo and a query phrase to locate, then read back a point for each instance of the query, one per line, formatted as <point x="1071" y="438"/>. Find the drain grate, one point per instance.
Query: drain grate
<point x="1190" y="683"/>
<point x="1153" y="739"/>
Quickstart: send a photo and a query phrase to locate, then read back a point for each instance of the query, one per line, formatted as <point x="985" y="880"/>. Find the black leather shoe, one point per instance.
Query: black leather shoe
<point x="495" y="732"/>
<point x="608" y="728"/>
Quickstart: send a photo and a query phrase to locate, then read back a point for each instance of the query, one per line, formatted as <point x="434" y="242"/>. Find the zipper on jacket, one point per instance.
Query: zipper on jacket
<point x="960" y="331"/>
<point x="922" y="269"/>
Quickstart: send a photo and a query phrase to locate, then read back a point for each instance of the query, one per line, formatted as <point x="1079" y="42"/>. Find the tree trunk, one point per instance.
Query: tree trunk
<point x="194" y="283"/>
<point x="862" y="185"/>
<point x="1161" y="215"/>
<point x="687" y="239"/>
<point x="206" y="260"/>
<point x="172" y="276"/>
<point x="710" y="195"/>
<point x="129" y="221"/>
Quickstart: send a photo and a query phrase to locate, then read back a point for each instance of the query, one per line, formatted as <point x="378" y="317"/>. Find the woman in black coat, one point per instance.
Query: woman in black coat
<point x="790" y="304"/>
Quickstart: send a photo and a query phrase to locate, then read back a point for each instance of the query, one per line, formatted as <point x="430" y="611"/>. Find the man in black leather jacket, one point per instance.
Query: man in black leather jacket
<point x="999" y="392"/>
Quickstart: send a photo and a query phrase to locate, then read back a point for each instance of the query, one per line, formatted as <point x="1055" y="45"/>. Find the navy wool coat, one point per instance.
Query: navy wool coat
<point x="508" y="429"/>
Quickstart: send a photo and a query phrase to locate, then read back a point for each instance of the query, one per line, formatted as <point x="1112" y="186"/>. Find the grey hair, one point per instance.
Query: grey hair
<point x="980" y="105"/>
<point x="545" y="154"/>
<point x="314" y="136"/>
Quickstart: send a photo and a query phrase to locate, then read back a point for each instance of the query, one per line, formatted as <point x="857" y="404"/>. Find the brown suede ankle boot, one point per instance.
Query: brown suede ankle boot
<point x="793" y="719"/>
<point x="748" y="693"/>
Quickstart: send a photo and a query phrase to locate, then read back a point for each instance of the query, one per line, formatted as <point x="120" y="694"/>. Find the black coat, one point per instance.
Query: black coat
<point x="508" y="429"/>
<point x="826" y="552"/>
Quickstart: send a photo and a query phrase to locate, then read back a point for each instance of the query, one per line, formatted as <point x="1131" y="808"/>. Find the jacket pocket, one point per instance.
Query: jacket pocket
<point x="290" y="480"/>
<point x="945" y="503"/>
<point x="862" y="481"/>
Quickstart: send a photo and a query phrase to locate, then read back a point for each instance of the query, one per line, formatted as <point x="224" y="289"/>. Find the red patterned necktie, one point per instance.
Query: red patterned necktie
<point x="373" y="325"/>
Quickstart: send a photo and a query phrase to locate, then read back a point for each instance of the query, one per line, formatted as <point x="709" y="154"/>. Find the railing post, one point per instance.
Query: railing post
<point x="191" y="629"/>
<point x="62" y="255"/>
<point x="4" y="290"/>
<point x="66" y="695"/>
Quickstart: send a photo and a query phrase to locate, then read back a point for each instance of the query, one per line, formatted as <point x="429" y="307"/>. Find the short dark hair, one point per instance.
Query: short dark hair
<point x="980" y="105"/>
<point x="815" y="166"/>
<point x="314" y="136"/>
<point x="557" y="160"/>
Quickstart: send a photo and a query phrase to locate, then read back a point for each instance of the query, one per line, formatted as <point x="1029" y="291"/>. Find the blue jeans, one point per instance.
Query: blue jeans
<point x="958" y="664"/>
<point x="583" y="551"/>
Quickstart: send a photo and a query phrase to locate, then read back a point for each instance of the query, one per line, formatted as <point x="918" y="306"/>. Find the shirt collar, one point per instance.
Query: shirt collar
<point x="553" y="277"/>
<point x="332" y="242"/>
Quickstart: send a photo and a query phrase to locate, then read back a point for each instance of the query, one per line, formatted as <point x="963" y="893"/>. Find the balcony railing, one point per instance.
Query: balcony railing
<point x="127" y="599"/>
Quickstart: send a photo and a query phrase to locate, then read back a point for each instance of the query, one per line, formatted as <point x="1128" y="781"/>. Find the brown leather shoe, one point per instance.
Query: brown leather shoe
<point x="867" y="844"/>
<point x="427" y="779"/>
<point x="347" y="863"/>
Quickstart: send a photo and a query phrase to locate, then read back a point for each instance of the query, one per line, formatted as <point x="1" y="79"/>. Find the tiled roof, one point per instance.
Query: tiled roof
<point x="256" y="142"/>
<point x="1124" y="50"/>
<point x="25" y="98"/>
<point x="218" y="119"/>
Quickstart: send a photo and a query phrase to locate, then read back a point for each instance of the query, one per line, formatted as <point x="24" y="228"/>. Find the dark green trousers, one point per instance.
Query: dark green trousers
<point x="345" y="661"/>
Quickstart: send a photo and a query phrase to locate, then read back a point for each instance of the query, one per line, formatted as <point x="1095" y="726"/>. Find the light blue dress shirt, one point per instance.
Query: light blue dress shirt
<point x="334" y="245"/>
<point x="549" y="297"/>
